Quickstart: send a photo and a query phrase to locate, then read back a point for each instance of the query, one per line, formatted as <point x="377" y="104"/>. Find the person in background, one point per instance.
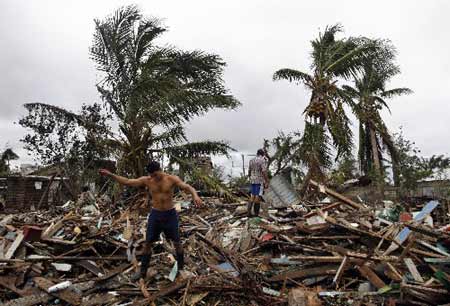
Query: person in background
<point x="257" y="171"/>
<point x="163" y="216"/>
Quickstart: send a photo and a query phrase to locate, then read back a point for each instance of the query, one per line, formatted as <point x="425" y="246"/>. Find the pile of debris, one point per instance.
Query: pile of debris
<point x="330" y="252"/>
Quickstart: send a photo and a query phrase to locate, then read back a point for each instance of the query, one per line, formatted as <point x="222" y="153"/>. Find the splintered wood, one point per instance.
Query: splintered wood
<point x="339" y="249"/>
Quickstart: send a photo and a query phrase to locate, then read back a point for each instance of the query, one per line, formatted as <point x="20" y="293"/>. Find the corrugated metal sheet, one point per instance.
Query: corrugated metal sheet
<point x="281" y="193"/>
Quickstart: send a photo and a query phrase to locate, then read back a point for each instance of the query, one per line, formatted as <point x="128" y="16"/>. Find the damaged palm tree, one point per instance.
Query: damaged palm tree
<point x="326" y="121"/>
<point x="153" y="90"/>
<point x="185" y="157"/>
<point x="369" y="94"/>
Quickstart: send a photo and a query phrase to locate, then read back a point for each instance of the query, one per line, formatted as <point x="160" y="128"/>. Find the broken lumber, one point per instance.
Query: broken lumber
<point x="336" y="195"/>
<point x="303" y="273"/>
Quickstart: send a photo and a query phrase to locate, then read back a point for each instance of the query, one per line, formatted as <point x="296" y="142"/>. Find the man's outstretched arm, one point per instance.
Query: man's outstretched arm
<point x="139" y="182"/>
<point x="189" y="189"/>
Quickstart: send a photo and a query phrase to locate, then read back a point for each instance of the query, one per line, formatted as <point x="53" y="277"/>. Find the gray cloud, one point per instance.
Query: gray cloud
<point x="44" y="57"/>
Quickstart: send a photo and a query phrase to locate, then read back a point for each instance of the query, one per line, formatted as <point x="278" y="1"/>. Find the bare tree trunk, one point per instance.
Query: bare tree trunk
<point x="375" y="156"/>
<point x="376" y="162"/>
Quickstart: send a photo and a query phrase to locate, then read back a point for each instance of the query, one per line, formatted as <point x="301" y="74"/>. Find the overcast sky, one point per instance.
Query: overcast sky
<point x="44" y="58"/>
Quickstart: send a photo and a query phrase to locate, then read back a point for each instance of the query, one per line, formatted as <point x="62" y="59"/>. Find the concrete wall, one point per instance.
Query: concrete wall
<point x="431" y="189"/>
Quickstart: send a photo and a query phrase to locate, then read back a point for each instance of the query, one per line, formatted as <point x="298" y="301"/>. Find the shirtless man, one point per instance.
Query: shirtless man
<point x="163" y="216"/>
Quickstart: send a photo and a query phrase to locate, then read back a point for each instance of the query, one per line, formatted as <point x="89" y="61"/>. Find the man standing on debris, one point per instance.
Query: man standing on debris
<point x="163" y="216"/>
<point x="257" y="171"/>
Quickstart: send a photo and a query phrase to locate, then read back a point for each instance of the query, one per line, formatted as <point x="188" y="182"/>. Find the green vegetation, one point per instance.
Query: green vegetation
<point x="326" y="122"/>
<point x="5" y="159"/>
<point x="149" y="91"/>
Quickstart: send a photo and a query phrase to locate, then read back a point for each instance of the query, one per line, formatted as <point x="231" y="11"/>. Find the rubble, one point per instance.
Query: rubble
<point x="339" y="252"/>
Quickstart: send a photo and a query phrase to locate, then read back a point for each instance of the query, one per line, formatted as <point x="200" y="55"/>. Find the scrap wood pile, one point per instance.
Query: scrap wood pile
<point x="332" y="252"/>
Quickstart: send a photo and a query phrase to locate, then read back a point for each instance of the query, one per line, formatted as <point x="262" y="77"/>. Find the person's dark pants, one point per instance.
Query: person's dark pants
<point x="162" y="222"/>
<point x="256" y="191"/>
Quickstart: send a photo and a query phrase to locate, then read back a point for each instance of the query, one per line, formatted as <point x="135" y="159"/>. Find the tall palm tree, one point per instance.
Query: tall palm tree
<point x="325" y="119"/>
<point x="151" y="89"/>
<point x="370" y="93"/>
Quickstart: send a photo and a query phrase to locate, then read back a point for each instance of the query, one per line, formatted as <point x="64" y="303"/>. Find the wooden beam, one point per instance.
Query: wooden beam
<point x="52" y="178"/>
<point x="433" y="248"/>
<point x="66" y="295"/>
<point x="12" y="249"/>
<point x="340" y="271"/>
<point x="39" y="298"/>
<point x="303" y="273"/>
<point x="337" y="195"/>
<point x="67" y="258"/>
<point x="368" y="273"/>
<point x="163" y="292"/>
<point x="393" y="273"/>
<point x="413" y="270"/>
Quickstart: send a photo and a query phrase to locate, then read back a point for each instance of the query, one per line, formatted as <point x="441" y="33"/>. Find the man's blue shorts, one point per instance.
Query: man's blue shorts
<point x="257" y="190"/>
<point x="163" y="221"/>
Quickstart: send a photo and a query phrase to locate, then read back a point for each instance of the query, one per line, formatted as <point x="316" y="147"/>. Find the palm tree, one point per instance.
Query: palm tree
<point x="153" y="90"/>
<point x="369" y="93"/>
<point x="332" y="59"/>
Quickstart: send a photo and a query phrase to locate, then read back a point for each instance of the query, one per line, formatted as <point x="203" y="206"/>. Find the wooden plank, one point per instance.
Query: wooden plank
<point x="66" y="295"/>
<point x="9" y="283"/>
<point x="6" y="220"/>
<point x="337" y="195"/>
<point x="427" y="231"/>
<point x="426" y="254"/>
<point x="368" y="273"/>
<point x="330" y="259"/>
<point x="350" y="228"/>
<point x="304" y="273"/>
<point x="91" y="267"/>
<point x="67" y="258"/>
<point x="12" y="249"/>
<point x="337" y="237"/>
<point x="2" y="248"/>
<point x="302" y="297"/>
<point x="437" y="260"/>
<point x="393" y="273"/>
<point x="101" y="299"/>
<point x="163" y="292"/>
<point x="340" y="271"/>
<point x="412" y="240"/>
<point x="326" y="208"/>
<point x="433" y="248"/>
<point x="52" y="178"/>
<point x="41" y="298"/>
<point x="52" y="229"/>
<point x="60" y="241"/>
<point x="413" y="270"/>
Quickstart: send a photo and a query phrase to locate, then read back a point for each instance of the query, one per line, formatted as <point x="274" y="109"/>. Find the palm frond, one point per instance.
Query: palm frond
<point x="396" y="92"/>
<point x="292" y="75"/>
<point x="194" y="149"/>
<point x="59" y="111"/>
<point x="349" y="63"/>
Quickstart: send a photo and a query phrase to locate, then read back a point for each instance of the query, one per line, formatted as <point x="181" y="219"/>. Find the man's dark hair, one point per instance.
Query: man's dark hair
<point x="153" y="166"/>
<point x="260" y="152"/>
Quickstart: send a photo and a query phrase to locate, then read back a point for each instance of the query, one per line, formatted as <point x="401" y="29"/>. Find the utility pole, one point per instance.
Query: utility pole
<point x="243" y="164"/>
